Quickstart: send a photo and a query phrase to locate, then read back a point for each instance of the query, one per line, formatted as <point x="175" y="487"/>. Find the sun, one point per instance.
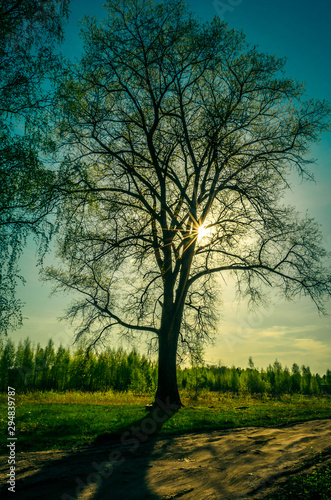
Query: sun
<point x="203" y="231"/>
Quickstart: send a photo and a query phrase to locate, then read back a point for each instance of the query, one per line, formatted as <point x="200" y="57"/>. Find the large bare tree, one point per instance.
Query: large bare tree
<point x="177" y="140"/>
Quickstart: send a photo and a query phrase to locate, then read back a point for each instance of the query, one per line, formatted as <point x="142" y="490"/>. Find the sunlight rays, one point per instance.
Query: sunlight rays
<point x="203" y="232"/>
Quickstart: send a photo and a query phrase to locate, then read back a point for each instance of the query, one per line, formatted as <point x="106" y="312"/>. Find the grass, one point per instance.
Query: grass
<point x="65" y="420"/>
<point x="50" y="420"/>
<point x="314" y="485"/>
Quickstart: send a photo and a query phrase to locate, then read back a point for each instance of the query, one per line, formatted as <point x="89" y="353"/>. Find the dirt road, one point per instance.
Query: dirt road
<point x="243" y="463"/>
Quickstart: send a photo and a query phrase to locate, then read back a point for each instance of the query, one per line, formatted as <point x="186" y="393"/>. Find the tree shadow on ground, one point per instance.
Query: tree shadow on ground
<point x="114" y="466"/>
<point x="136" y="463"/>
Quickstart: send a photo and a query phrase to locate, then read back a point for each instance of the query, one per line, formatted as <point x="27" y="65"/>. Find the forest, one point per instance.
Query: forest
<point x="34" y="368"/>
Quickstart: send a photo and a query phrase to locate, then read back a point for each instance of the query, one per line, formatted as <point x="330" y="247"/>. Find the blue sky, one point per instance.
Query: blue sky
<point x="290" y="332"/>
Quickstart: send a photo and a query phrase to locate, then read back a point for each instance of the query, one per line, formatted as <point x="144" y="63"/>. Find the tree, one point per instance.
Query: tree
<point x="250" y="362"/>
<point x="60" y="369"/>
<point x="30" y="30"/>
<point x="6" y="365"/>
<point x="177" y="140"/>
<point x="24" y="363"/>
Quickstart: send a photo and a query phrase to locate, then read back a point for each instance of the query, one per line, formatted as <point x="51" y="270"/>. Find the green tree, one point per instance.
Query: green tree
<point x="251" y="381"/>
<point x="250" y="362"/>
<point x="306" y="380"/>
<point x="102" y="374"/>
<point x="328" y="380"/>
<point x="60" y="371"/>
<point x="24" y="363"/>
<point x="47" y="364"/>
<point x="296" y="378"/>
<point x="178" y="139"/>
<point x="6" y="364"/>
<point x="80" y="373"/>
<point x="286" y="381"/>
<point x="278" y="371"/>
<point x="38" y="367"/>
<point x="234" y="380"/>
<point x="29" y="33"/>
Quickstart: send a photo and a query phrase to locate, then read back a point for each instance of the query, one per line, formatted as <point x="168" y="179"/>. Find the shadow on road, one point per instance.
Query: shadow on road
<point x="136" y="463"/>
<point x="114" y="466"/>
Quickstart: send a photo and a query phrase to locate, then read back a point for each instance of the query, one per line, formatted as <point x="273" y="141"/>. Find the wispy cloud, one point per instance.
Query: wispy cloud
<point x="310" y="345"/>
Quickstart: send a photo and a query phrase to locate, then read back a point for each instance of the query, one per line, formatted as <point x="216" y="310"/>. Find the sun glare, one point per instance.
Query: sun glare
<point x="203" y="231"/>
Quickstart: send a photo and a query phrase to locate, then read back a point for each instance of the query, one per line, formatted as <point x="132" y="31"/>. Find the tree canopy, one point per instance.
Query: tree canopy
<point x="30" y="30"/>
<point x="178" y="139"/>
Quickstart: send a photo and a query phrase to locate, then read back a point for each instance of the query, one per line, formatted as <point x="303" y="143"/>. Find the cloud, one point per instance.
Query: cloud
<point x="310" y="345"/>
<point x="290" y="331"/>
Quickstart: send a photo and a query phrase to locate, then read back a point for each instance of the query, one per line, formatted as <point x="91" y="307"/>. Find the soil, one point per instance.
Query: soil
<point x="243" y="463"/>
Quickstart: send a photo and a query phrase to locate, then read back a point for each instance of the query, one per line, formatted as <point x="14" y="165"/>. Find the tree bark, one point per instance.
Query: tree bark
<point x="167" y="390"/>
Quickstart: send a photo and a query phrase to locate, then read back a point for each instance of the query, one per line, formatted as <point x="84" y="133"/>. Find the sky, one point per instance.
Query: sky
<point x="299" y="30"/>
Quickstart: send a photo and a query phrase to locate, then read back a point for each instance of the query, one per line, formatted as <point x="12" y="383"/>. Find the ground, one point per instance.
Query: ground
<point x="235" y="464"/>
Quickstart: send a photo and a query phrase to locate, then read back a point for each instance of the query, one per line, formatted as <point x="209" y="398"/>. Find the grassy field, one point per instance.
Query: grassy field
<point x="64" y="420"/>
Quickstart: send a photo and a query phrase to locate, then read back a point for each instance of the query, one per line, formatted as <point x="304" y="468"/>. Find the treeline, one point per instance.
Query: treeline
<point x="29" y="368"/>
<point x="33" y="368"/>
<point x="275" y="380"/>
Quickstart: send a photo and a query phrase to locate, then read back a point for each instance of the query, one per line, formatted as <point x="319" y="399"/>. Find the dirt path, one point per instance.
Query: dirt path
<point x="234" y="464"/>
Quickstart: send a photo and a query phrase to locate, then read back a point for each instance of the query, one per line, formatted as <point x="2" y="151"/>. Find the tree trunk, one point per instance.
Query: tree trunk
<point x="167" y="390"/>
<point x="172" y="314"/>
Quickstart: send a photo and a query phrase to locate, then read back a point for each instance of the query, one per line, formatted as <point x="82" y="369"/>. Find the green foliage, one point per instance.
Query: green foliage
<point x="29" y="33"/>
<point x="6" y="363"/>
<point x="29" y="368"/>
<point x="33" y="368"/>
